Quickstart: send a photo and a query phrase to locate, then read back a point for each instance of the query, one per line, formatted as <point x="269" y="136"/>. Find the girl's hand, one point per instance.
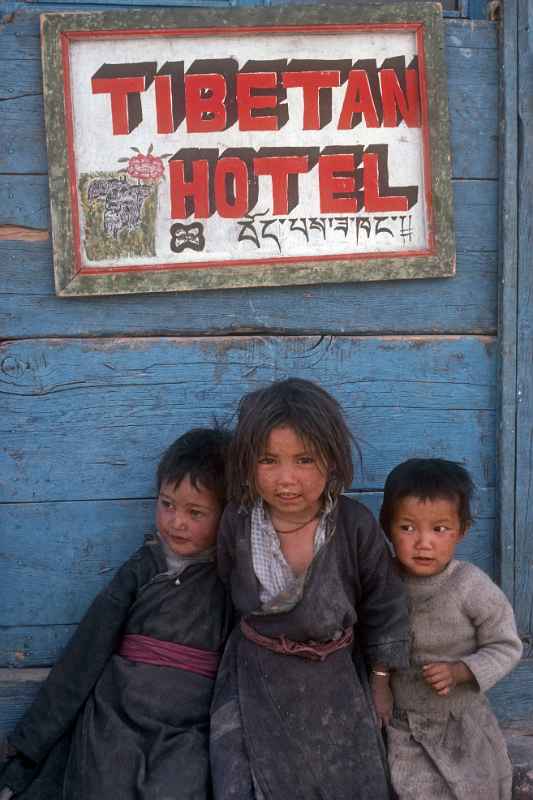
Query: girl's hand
<point x="382" y="697"/>
<point x="443" y="676"/>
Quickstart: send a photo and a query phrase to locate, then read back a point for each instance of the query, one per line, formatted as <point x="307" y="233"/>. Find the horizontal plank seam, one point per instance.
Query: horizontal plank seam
<point x="21" y="233"/>
<point x="405" y="337"/>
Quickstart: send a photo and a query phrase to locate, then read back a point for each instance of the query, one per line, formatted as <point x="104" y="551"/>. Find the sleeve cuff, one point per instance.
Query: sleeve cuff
<point x="392" y="654"/>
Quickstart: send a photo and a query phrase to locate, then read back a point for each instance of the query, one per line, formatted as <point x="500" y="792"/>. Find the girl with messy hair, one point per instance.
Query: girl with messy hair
<point x="303" y="683"/>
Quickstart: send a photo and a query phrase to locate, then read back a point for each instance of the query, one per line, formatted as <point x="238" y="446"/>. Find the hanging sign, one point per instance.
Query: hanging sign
<point x="207" y="149"/>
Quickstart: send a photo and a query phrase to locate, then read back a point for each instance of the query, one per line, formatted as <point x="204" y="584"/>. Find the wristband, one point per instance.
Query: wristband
<point x="380" y="673"/>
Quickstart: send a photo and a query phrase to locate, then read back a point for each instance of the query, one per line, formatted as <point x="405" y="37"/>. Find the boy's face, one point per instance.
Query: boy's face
<point x="425" y="534"/>
<point x="187" y="517"/>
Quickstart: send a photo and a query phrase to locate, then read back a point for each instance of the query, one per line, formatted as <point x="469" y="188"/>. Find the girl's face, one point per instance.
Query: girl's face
<point x="187" y="517"/>
<point x="425" y="534"/>
<point x="290" y="477"/>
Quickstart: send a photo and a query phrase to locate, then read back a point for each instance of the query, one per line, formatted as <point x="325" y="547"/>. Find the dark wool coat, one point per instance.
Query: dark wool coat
<point x="130" y="731"/>
<point x="284" y="728"/>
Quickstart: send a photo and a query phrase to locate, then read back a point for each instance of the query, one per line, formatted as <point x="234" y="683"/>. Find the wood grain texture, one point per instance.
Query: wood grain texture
<point x="74" y="547"/>
<point x="16" y="233"/>
<point x="524" y="361"/>
<point x="24" y="201"/>
<point x="16" y="693"/>
<point x="512" y="698"/>
<point x="472" y="97"/>
<point x="94" y="405"/>
<point x="507" y="299"/>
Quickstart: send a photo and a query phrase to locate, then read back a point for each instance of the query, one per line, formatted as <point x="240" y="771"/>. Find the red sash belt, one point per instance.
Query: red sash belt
<point x="137" y="647"/>
<point x="314" y="651"/>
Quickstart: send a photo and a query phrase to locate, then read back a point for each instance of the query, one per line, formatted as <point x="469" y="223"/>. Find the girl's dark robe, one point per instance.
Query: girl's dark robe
<point x="131" y="731"/>
<point x="285" y="728"/>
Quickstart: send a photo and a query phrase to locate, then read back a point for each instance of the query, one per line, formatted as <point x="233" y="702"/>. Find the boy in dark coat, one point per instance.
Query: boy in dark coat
<point x="125" y="711"/>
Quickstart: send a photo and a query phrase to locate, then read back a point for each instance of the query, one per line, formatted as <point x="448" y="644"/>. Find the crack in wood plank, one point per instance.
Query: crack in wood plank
<point x="18" y="233"/>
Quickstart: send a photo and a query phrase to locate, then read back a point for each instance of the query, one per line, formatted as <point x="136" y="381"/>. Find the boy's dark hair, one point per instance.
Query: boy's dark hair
<point x="199" y="454"/>
<point x="428" y="479"/>
<point x="313" y="414"/>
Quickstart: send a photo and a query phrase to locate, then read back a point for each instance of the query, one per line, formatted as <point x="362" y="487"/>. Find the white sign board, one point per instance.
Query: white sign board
<point x="292" y="153"/>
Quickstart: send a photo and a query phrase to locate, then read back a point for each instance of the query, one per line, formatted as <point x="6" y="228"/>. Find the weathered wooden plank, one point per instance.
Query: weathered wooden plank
<point x="16" y="693"/>
<point x="473" y="101"/>
<point x="512" y="698"/>
<point x="92" y="406"/>
<point x="23" y="147"/>
<point x="472" y="82"/>
<point x="475" y="214"/>
<point x="524" y="420"/>
<point x="16" y="233"/>
<point x="47" y="467"/>
<point x="444" y="373"/>
<point x="508" y="296"/>
<point x="29" y="307"/>
<point x="25" y="201"/>
<point x="20" y="77"/>
<point x="76" y="546"/>
<point x="33" y="646"/>
<point x="480" y="34"/>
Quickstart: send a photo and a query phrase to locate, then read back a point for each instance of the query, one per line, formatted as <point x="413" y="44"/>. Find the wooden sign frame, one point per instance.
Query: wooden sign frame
<point x="85" y="257"/>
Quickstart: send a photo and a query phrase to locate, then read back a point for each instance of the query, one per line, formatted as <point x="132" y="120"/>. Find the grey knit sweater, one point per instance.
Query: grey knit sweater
<point x="458" y="615"/>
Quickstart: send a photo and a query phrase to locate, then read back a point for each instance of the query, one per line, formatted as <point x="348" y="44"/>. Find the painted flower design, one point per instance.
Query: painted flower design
<point x="146" y="168"/>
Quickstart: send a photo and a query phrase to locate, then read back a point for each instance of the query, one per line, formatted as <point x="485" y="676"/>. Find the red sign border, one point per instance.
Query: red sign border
<point x="78" y="35"/>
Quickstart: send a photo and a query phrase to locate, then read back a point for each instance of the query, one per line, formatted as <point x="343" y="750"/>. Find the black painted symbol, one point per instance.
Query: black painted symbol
<point x="187" y="236"/>
<point x="406" y="229"/>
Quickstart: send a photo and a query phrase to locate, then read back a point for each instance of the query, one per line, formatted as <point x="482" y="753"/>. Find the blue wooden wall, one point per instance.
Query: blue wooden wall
<point x="93" y="389"/>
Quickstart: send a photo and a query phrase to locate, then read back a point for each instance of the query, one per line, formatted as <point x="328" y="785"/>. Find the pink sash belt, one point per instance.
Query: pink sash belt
<point x="137" y="647"/>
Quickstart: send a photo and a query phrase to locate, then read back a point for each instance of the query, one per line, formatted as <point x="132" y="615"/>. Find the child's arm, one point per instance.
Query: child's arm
<point x="381" y="693"/>
<point x="382" y="612"/>
<point x="498" y="645"/>
<point x="382" y="604"/>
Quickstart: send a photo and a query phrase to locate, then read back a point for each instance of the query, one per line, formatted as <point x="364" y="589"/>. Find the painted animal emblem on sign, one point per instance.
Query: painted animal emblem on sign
<point x="187" y="236"/>
<point x="123" y="203"/>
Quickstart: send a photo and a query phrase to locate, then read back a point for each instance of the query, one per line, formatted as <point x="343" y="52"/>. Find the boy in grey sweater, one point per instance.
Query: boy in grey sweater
<point x="444" y="741"/>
